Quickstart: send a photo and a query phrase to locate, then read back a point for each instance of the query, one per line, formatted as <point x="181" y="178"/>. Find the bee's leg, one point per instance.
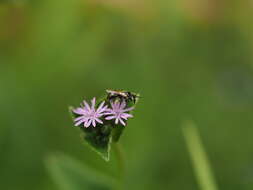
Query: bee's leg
<point x="122" y="99"/>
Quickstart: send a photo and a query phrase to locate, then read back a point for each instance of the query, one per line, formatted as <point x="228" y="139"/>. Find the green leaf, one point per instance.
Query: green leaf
<point x="200" y="161"/>
<point x="70" y="174"/>
<point x="117" y="132"/>
<point x="99" y="139"/>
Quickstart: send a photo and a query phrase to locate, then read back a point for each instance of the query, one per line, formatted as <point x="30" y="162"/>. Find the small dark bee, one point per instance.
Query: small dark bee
<point x="127" y="96"/>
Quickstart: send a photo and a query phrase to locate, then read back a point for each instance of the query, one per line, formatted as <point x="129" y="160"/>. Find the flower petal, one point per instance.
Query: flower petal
<point x="117" y="120"/>
<point x="99" y="120"/>
<point x="125" y="115"/>
<point x="101" y="105"/>
<point x="94" y="123"/>
<point x="86" y="106"/>
<point x="122" y="105"/>
<point x="79" y="111"/>
<point x="79" y="122"/>
<point x="122" y="122"/>
<point x="79" y="118"/>
<point x="128" y="109"/>
<point x="93" y="102"/>
<point x="103" y="109"/>
<point x="87" y="123"/>
<point x="117" y="105"/>
<point x="110" y="117"/>
<point x="108" y="112"/>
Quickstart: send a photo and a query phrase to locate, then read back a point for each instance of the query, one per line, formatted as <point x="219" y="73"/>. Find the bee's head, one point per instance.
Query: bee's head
<point x="132" y="96"/>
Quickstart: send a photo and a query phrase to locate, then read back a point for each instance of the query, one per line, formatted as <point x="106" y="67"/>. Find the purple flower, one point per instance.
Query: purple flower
<point x="89" y="114"/>
<point x="117" y="112"/>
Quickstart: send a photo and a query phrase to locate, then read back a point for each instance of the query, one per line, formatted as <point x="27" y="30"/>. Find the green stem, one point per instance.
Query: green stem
<point x="120" y="159"/>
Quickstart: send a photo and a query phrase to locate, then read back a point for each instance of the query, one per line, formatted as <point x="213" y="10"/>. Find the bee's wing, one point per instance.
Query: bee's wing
<point x="112" y="92"/>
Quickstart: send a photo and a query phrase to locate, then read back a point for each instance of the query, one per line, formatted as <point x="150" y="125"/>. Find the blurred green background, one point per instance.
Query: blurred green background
<point x="189" y="59"/>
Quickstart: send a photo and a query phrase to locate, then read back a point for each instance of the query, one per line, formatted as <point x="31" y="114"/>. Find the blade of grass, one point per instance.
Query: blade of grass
<point x="199" y="157"/>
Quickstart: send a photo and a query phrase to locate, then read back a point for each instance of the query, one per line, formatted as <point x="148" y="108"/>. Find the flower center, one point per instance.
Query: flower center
<point x="117" y="113"/>
<point x="91" y="114"/>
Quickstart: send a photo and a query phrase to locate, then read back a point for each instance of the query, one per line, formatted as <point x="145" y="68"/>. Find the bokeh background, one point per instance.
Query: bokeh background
<point x="189" y="59"/>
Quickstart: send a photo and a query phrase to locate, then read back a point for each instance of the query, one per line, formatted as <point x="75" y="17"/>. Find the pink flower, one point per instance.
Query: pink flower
<point x="117" y="112"/>
<point x="89" y="114"/>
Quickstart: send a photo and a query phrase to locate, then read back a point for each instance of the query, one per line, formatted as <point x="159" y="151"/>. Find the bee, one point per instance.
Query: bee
<point x="122" y="95"/>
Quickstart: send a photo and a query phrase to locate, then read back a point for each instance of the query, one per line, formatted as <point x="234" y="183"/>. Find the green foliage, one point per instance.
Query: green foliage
<point x="188" y="58"/>
<point x="70" y="174"/>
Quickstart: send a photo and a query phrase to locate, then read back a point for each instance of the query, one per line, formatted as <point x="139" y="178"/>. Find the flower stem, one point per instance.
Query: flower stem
<point x="120" y="159"/>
